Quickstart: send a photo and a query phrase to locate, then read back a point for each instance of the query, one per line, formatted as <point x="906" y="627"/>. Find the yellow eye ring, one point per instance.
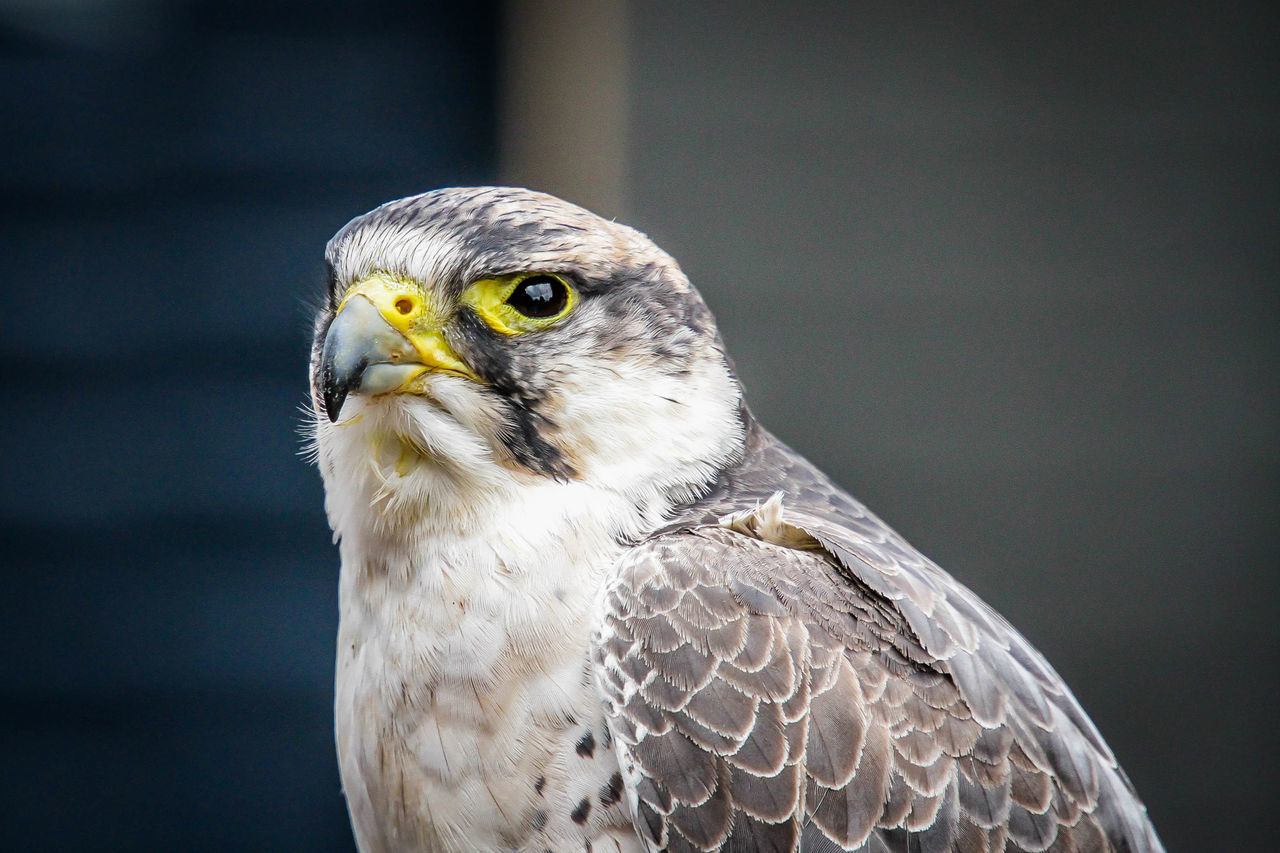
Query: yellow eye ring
<point x="520" y="303"/>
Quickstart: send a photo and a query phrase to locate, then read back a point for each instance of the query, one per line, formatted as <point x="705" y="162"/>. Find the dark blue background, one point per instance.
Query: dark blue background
<point x="167" y="184"/>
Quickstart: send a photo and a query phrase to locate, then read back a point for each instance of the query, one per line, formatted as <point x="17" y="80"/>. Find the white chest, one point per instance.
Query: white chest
<point x="467" y="715"/>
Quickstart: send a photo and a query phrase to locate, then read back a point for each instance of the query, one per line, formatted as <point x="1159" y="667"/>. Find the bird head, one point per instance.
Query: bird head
<point x="494" y="335"/>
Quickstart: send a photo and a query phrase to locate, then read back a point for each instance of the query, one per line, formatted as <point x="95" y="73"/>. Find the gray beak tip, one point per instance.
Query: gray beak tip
<point x="358" y="339"/>
<point x="335" y="394"/>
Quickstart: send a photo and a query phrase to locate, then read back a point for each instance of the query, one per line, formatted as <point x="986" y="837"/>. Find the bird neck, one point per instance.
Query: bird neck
<point x="400" y="472"/>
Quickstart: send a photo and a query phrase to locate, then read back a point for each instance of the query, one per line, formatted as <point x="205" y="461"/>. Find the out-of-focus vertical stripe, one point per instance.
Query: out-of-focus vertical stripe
<point x="563" y="100"/>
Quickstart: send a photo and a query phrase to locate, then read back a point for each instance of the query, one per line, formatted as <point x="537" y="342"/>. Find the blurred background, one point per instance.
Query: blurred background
<point x="1007" y="271"/>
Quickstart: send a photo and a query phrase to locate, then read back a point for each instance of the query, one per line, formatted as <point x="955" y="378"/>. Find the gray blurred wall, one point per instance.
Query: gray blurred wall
<point x="1009" y="273"/>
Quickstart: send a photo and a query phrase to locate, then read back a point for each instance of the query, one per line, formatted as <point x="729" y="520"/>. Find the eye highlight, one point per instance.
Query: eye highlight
<point x="520" y="303"/>
<point x="539" y="297"/>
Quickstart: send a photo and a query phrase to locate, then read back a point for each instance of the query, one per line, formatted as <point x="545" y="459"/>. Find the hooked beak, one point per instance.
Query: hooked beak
<point x="382" y="338"/>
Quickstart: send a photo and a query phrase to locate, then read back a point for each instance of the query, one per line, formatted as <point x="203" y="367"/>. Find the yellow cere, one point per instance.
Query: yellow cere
<point x="488" y="298"/>
<point x="399" y="301"/>
<point x="407" y="307"/>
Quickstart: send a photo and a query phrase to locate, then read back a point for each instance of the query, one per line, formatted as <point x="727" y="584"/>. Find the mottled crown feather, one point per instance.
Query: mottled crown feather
<point x="455" y="235"/>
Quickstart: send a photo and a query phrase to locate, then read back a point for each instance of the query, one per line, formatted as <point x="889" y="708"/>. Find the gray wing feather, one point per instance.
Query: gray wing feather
<point x="790" y="682"/>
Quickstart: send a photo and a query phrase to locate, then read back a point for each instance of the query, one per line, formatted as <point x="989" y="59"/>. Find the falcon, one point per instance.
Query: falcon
<point x="588" y="603"/>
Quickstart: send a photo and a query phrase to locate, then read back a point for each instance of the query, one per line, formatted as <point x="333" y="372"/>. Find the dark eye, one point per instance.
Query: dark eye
<point x="539" y="297"/>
